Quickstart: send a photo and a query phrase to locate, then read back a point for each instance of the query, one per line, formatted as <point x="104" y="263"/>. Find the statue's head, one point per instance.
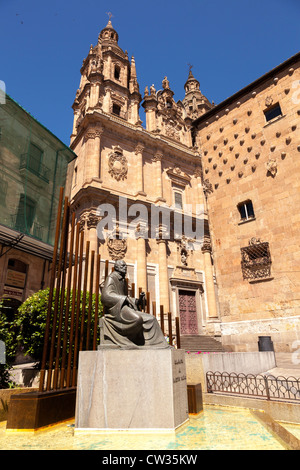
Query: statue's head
<point x="121" y="267"/>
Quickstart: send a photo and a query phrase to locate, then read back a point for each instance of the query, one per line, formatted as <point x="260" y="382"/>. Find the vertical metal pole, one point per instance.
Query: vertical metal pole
<point x="86" y="268"/>
<point x="51" y="289"/>
<point x="96" y="302"/>
<point x="177" y="332"/>
<point x="74" y="296"/>
<point x="170" y="328"/>
<point x="133" y="290"/>
<point x="148" y="302"/>
<point x="162" y="322"/>
<point x="77" y="311"/>
<point x="62" y="299"/>
<point x="88" y="333"/>
<point x="267" y="387"/>
<point x="68" y="295"/>
<point x="154" y="308"/>
<point x="57" y="296"/>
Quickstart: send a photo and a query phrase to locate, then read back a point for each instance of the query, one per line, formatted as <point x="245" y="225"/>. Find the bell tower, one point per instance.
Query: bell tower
<point x="194" y="102"/>
<point x="108" y="82"/>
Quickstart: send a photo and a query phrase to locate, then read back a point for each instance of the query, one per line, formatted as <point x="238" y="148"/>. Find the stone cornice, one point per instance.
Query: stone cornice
<point x="165" y="144"/>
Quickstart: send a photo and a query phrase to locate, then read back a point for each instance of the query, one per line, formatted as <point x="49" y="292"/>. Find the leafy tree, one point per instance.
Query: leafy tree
<point x="32" y="316"/>
<point x="28" y="327"/>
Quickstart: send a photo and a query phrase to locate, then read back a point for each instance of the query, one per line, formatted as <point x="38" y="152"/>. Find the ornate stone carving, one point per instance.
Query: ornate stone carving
<point x="117" y="246"/>
<point x="82" y="220"/>
<point x="206" y="247"/>
<point x="182" y="249"/>
<point x="171" y="130"/>
<point x="92" y="220"/>
<point x="271" y="166"/>
<point x="117" y="164"/>
<point x="157" y="157"/>
<point x="207" y="186"/>
<point x="152" y="90"/>
<point x="139" y="148"/>
<point x="269" y="101"/>
<point x="178" y="176"/>
<point x="198" y="172"/>
<point x="93" y="132"/>
<point x="165" y="83"/>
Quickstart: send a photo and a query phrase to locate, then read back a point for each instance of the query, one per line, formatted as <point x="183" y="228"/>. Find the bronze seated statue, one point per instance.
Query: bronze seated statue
<point x="123" y="324"/>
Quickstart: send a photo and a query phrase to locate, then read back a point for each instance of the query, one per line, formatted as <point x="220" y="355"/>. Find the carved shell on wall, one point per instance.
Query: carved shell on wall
<point x="117" y="164"/>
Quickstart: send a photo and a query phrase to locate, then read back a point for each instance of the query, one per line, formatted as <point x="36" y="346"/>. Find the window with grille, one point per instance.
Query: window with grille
<point x="246" y="210"/>
<point x="26" y="213"/>
<point x="256" y="260"/>
<point x="35" y="158"/>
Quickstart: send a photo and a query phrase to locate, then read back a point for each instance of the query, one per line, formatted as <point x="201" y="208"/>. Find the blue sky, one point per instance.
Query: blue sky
<point x="230" y="44"/>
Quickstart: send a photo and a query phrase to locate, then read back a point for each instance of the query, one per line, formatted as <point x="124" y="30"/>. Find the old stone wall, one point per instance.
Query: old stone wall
<point x="249" y="158"/>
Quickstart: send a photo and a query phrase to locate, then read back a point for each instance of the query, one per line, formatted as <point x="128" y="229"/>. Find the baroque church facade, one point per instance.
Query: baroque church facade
<point x="151" y="196"/>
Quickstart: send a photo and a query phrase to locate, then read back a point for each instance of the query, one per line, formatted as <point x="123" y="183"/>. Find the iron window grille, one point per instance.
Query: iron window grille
<point x="256" y="260"/>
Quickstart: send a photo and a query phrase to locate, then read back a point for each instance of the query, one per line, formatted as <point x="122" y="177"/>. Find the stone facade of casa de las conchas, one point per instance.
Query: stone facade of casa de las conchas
<point x="241" y="280"/>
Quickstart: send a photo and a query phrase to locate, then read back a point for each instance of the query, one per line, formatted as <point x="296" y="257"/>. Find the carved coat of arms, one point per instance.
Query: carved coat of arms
<point x="117" y="164"/>
<point x="117" y="248"/>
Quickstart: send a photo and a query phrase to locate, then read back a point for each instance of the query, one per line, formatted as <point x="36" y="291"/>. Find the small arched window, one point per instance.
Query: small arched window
<point x="116" y="109"/>
<point x="117" y="72"/>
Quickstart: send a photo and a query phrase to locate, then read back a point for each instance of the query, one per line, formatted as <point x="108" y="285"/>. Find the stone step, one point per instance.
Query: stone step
<point x="201" y="343"/>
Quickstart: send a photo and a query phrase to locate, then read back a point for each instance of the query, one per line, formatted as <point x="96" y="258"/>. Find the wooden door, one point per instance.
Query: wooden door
<point x="188" y="312"/>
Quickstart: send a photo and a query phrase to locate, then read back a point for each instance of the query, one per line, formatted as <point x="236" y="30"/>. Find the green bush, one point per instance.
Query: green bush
<point x="8" y="333"/>
<point x="28" y="328"/>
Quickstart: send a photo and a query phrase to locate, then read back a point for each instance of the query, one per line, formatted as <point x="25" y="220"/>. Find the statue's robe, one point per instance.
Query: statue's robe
<point x="123" y="324"/>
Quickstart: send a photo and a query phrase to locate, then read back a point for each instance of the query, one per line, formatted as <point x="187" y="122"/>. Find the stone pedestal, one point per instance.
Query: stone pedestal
<point x="131" y="389"/>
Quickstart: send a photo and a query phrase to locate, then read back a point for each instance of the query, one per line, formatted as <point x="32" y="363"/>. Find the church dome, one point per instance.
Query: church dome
<point x="191" y="84"/>
<point x="109" y="33"/>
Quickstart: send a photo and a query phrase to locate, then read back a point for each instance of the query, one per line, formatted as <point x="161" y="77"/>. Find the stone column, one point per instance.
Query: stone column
<point x="209" y="280"/>
<point x="74" y="131"/>
<point x="92" y="153"/>
<point x="94" y="94"/>
<point x="141" y="265"/>
<point x="158" y="173"/>
<point x="139" y="165"/>
<point x="200" y="198"/>
<point x="92" y="221"/>
<point x="141" y="233"/>
<point x="134" y="111"/>
<point x="150" y="106"/>
<point x="106" y="100"/>
<point x="163" y="275"/>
